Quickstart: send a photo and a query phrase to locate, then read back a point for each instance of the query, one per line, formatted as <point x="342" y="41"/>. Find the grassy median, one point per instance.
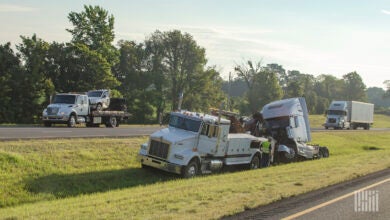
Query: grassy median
<point x="100" y="178"/>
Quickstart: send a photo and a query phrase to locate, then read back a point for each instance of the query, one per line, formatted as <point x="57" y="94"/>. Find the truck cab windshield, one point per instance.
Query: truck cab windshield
<point x="184" y="123"/>
<point x="280" y="122"/>
<point x="336" y="112"/>
<point x="95" y="94"/>
<point x="64" y="99"/>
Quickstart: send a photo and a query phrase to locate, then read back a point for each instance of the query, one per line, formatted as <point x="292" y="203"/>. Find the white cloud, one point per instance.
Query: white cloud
<point x="385" y="12"/>
<point x="15" y="8"/>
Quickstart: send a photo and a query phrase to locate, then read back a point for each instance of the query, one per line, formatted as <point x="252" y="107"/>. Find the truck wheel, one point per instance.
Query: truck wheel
<point x="324" y="152"/>
<point x="47" y="124"/>
<point x="367" y="127"/>
<point x="326" y="128"/>
<point x="72" y="121"/>
<point x="255" y="162"/>
<point x="286" y="157"/>
<point x="99" y="107"/>
<point x="111" y="123"/>
<point x="191" y="170"/>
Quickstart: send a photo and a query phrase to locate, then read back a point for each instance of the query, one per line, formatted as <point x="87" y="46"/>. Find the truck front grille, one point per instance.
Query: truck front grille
<point x="332" y="120"/>
<point x="52" y="110"/>
<point x="159" y="149"/>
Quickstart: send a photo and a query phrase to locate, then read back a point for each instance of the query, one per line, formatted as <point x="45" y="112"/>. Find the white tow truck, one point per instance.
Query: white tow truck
<point x="195" y="143"/>
<point x="72" y="109"/>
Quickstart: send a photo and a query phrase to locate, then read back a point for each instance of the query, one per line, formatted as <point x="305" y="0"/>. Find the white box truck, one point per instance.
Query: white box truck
<point x="349" y="114"/>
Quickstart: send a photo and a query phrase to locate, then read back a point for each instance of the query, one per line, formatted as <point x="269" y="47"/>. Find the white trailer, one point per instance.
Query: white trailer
<point x="195" y="143"/>
<point x="349" y="114"/>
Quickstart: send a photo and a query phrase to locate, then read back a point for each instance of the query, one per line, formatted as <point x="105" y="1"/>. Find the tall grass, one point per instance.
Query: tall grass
<point x="100" y="178"/>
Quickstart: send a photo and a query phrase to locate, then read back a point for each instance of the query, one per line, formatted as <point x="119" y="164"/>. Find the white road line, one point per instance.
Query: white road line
<point x="296" y="215"/>
<point x="57" y="131"/>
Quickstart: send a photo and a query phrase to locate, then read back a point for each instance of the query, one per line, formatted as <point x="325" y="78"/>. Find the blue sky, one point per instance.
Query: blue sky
<point x="312" y="36"/>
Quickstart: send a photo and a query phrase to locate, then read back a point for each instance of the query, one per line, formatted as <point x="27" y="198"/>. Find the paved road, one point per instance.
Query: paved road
<point x="334" y="202"/>
<point x="9" y="133"/>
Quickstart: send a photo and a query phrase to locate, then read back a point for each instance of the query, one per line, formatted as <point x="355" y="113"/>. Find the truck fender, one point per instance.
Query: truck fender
<point x="284" y="148"/>
<point x="188" y="155"/>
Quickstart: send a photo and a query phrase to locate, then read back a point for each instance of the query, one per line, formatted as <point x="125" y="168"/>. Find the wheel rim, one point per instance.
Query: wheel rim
<point x="113" y="121"/>
<point x="191" y="171"/>
<point x="72" y="121"/>
<point x="255" y="163"/>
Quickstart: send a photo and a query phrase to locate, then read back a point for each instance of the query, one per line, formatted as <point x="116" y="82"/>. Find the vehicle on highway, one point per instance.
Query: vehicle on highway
<point x="287" y="121"/>
<point x="349" y="114"/>
<point x="99" y="99"/>
<point x="195" y="143"/>
<point x="72" y="109"/>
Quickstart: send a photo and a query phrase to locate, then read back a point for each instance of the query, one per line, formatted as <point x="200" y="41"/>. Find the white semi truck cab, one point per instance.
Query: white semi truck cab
<point x="288" y="122"/>
<point x="195" y="143"/>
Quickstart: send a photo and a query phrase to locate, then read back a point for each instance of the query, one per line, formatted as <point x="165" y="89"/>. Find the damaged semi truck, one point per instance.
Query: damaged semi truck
<point x="288" y="123"/>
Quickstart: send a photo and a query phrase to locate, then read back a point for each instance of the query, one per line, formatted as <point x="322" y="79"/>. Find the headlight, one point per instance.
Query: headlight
<point x="144" y="146"/>
<point x="178" y="156"/>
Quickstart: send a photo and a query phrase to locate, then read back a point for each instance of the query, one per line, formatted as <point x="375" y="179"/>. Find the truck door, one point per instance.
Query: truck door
<point x="208" y="139"/>
<point x="81" y="107"/>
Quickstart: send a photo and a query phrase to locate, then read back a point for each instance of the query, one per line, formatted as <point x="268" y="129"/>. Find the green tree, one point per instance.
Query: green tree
<point x="387" y="94"/>
<point x="280" y="73"/>
<point x="136" y="81"/>
<point x="178" y="64"/>
<point x="10" y="66"/>
<point x="375" y="95"/>
<point x="263" y="85"/>
<point x="34" y="86"/>
<point x="94" y="27"/>
<point x="354" y="88"/>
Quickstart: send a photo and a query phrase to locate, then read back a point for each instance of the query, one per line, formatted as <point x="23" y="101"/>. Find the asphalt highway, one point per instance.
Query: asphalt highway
<point x="12" y="133"/>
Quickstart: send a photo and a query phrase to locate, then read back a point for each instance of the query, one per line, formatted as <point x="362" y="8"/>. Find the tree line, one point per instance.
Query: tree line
<point x="150" y="75"/>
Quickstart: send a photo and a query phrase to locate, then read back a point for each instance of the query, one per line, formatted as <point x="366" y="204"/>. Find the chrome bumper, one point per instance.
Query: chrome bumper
<point x="54" y="118"/>
<point x="159" y="164"/>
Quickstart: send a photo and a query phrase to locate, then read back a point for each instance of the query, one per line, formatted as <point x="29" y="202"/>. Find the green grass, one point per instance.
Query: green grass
<point x="380" y="121"/>
<point x="100" y="178"/>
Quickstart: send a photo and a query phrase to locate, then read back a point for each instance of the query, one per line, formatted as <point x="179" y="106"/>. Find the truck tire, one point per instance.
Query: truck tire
<point x="99" y="107"/>
<point x="191" y="170"/>
<point x="112" y="122"/>
<point x="47" y="124"/>
<point x="255" y="162"/>
<point x="72" y="121"/>
<point x="367" y="127"/>
<point x="324" y="152"/>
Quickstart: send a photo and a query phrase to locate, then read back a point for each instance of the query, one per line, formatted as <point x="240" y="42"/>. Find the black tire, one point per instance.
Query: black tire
<point x="112" y="122"/>
<point x="255" y="162"/>
<point x="72" y="121"/>
<point x="47" y="124"/>
<point x="324" y="152"/>
<point x="367" y="127"/>
<point x="191" y="170"/>
<point x="284" y="157"/>
<point x="326" y="128"/>
<point x="99" y="107"/>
